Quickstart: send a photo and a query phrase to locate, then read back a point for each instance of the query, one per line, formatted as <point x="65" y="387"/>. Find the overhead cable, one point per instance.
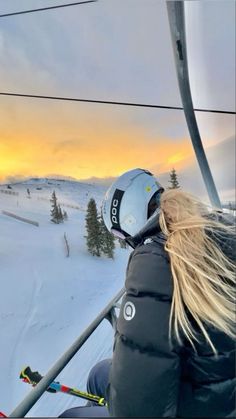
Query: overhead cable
<point x="108" y="102"/>
<point x="22" y="12"/>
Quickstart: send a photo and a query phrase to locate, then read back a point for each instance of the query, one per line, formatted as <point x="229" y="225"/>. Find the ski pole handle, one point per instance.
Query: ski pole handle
<point x="33" y="378"/>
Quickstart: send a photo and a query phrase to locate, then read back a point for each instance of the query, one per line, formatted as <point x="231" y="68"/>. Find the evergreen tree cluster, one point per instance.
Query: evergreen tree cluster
<point x="57" y="216"/>
<point x="99" y="239"/>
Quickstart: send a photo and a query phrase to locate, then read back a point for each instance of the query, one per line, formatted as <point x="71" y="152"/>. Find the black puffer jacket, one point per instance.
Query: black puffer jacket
<point x="148" y="376"/>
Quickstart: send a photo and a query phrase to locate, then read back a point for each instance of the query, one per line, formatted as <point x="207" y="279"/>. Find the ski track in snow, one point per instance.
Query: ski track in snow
<point x="47" y="299"/>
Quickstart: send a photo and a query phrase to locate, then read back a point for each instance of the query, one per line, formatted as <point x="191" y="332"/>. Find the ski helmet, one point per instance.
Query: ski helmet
<point x="130" y="201"/>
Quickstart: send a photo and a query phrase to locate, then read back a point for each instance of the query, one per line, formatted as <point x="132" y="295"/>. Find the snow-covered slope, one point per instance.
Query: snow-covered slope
<point x="47" y="299"/>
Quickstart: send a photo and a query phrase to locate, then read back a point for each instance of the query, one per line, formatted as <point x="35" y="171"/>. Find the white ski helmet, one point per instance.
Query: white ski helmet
<point x="130" y="201"/>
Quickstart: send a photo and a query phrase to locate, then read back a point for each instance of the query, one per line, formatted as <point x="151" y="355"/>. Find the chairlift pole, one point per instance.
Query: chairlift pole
<point x="175" y="11"/>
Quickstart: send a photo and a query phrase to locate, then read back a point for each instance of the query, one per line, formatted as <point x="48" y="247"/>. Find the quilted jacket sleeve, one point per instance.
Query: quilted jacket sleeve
<point x="145" y="373"/>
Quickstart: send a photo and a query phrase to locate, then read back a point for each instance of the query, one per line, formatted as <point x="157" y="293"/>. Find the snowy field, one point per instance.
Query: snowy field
<point x="48" y="299"/>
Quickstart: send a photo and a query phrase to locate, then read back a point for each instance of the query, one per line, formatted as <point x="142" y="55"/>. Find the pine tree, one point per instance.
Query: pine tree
<point x="107" y="240"/>
<point x="173" y="180"/>
<point x="54" y="210"/>
<point x="93" y="229"/>
<point x="122" y="243"/>
<point x="60" y="215"/>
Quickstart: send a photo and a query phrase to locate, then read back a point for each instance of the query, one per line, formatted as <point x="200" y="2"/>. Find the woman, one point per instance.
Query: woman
<point x="174" y="352"/>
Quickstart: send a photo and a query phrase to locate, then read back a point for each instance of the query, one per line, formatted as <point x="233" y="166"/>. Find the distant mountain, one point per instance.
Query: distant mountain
<point x="107" y="181"/>
<point x="14" y="180"/>
<point x="23" y="179"/>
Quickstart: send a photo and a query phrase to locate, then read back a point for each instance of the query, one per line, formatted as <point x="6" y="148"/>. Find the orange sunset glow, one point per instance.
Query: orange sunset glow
<point x="80" y="143"/>
<point x="24" y="159"/>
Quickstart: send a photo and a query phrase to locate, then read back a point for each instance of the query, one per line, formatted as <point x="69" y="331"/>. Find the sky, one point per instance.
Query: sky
<point x="118" y="50"/>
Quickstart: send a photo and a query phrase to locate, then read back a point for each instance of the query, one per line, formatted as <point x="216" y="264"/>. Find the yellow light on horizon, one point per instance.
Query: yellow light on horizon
<point x="74" y="147"/>
<point x="176" y="158"/>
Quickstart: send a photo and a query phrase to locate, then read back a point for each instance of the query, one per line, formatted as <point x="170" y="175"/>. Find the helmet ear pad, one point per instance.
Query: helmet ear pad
<point x="154" y="202"/>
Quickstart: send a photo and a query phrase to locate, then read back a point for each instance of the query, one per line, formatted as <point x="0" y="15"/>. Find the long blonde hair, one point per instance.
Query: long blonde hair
<point x="203" y="276"/>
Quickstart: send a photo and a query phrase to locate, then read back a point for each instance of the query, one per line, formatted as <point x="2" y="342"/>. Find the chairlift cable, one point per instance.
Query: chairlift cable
<point x="22" y="12"/>
<point x="107" y="102"/>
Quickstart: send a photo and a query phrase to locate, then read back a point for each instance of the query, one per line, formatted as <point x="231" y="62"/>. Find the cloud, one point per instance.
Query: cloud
<point x="221" y="158"/>
<point x="68" y="146"/>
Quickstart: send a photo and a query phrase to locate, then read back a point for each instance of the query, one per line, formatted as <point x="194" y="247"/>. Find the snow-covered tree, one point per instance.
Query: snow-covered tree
<point x="55" y="217"/>
<point x="173" y="180"/>
<point x="56" y="212"/>
<point x="93" y="229"/>
<point x="60" y="215"/>
<point x="107" y="240"/>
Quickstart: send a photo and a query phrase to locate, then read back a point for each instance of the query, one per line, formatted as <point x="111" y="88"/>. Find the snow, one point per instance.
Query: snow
<point x="48" y="299"/>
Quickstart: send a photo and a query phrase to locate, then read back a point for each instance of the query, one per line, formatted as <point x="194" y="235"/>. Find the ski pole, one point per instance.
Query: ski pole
<point x="33" y="378"/>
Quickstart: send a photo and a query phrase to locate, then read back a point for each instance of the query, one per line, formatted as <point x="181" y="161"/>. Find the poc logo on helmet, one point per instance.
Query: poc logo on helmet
<point x="129" y="311"/>
<point x="114" y="211"/>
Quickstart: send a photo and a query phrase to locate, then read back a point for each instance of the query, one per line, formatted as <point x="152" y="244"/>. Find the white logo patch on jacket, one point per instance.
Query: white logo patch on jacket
<point x="129" y="310"/>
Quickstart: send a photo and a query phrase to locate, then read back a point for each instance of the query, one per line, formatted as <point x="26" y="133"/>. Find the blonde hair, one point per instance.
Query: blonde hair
<point x="203" y="276"/>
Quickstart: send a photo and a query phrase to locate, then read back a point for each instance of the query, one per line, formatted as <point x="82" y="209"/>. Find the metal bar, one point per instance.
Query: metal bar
<point x="175" y="11"/>
<point x="29" y="401"/>
<point x="112" y="317"/>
